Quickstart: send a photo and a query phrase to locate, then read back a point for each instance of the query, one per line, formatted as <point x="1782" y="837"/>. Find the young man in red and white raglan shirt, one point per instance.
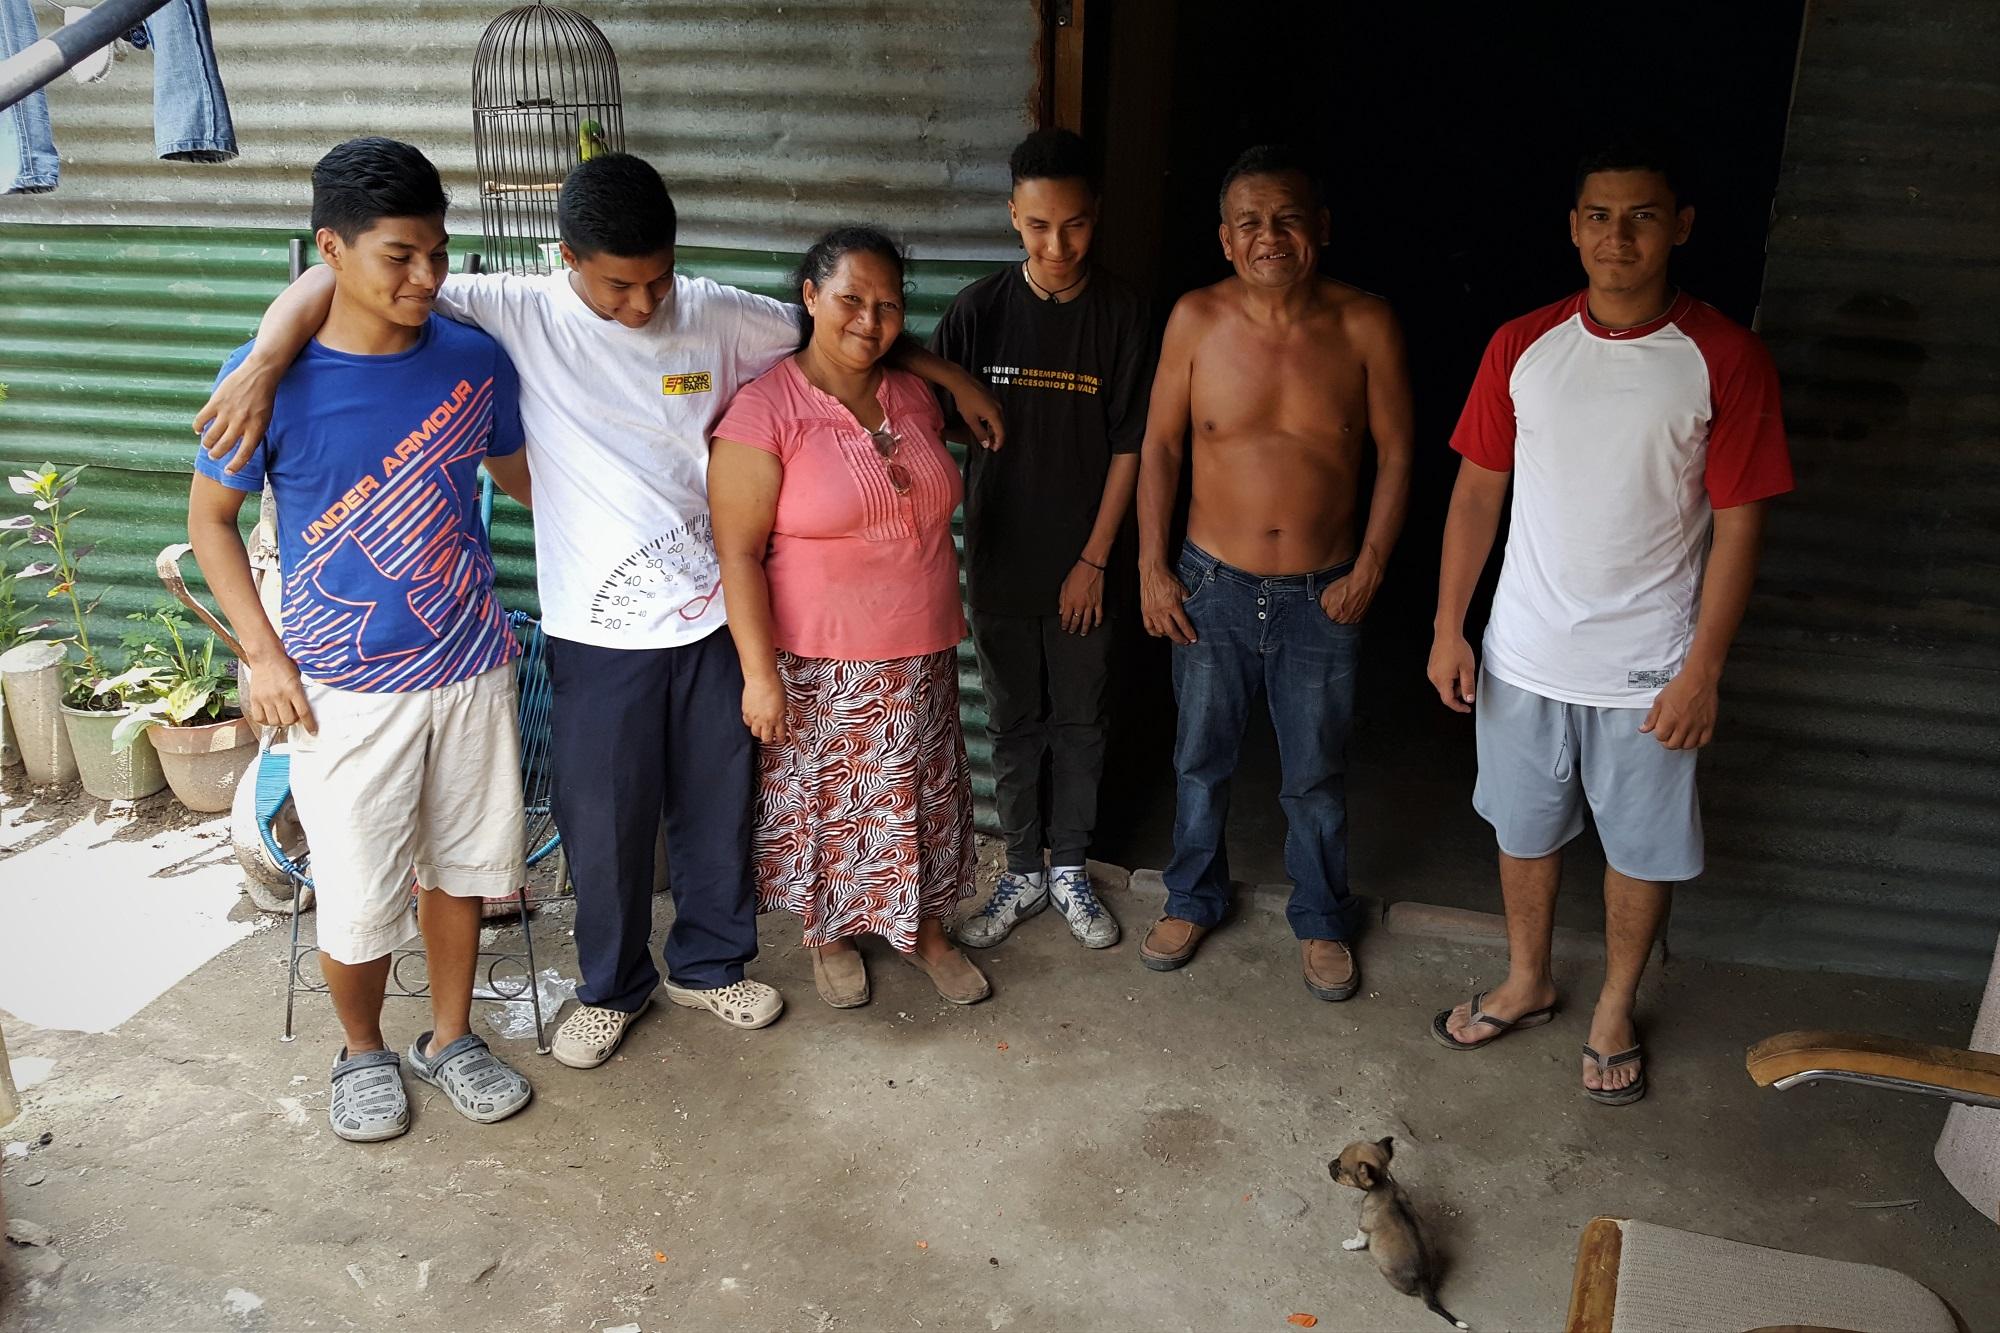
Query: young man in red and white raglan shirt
<point x="1641" y="431"/>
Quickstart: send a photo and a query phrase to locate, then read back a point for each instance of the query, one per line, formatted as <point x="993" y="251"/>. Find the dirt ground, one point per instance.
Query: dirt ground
<point x="1097" y="1147"/>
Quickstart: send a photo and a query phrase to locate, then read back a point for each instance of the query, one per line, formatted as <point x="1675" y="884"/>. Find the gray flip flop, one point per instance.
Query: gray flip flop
<point x="368" y="1103"/>
<point x="1626" y="1095"/>
<point x="1441" y="1030"/>
<point x="480" y="1084"/>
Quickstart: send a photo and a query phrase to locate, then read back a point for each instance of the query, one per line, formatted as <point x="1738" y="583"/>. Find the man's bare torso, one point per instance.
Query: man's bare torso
<point x="1279" y="419"/>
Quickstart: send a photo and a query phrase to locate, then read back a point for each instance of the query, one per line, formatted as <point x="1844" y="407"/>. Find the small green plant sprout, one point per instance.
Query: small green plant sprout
<point x="15" y="626"/>
<point x="52" y="526"/>
<point x="173" y="683"/>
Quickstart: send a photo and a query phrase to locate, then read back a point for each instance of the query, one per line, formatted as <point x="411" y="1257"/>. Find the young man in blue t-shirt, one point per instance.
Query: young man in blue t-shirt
<point x="395" y="671"/>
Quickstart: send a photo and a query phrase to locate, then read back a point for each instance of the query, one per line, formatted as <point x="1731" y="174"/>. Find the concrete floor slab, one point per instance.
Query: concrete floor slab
<point x="1097" y="1147"/>
<point x="99" y="880"/>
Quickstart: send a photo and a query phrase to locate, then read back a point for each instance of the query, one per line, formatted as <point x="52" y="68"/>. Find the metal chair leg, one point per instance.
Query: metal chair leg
<point x="534" y="979"/>
<point x="292" y="960"/>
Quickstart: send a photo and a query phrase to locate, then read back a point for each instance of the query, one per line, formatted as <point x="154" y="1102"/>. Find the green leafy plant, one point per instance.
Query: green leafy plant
<point x="15" y="627"/>
<point x="52" y="526"/>
<point x="176" y="683"/>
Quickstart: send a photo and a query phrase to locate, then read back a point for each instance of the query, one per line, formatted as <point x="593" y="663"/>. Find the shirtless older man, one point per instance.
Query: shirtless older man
<point x="1282" y="377"/>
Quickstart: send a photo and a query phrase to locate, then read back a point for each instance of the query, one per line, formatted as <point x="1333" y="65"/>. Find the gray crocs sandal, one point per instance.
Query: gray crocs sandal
<point x="480" y="1084"/>
<point x="368" y="1102"/>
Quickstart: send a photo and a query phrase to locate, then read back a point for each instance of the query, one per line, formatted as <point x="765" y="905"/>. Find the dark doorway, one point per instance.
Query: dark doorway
<point x="1447" y="134"/>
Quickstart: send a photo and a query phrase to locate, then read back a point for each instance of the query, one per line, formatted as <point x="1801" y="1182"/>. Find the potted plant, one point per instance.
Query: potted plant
<point x="15" y="630"/>
<point x="89" y="715"/>
<point x="184" y="702"/>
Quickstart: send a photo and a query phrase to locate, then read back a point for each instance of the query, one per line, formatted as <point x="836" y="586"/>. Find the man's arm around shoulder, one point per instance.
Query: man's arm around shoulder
<point x="233" y="420"/>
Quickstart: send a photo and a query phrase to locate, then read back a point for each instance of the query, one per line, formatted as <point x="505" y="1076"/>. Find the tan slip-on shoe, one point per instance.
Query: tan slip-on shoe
<point x="954" y="976"/>
<point x="1170" y="943"/>
<point x="841" y="977"/>
<point x="743" y="1004"/>
<point x="1332" y="970"/>
<point x="589" y="1036"/>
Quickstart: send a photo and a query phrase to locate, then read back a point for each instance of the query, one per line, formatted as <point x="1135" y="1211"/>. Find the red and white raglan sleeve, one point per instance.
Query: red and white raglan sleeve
<point x="1748" y="457"/>
<point x="1485" y="432"/>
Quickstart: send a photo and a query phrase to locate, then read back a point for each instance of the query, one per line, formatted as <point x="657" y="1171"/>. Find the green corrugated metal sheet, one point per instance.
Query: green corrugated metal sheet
<point x="111" y="336"/>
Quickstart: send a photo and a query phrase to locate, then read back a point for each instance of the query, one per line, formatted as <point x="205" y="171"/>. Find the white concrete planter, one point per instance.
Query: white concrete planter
<point x="203" y="764"/>
<point x="31" y="678"/>
<point x="111" y="775"/>
<point x="10" y="749"/>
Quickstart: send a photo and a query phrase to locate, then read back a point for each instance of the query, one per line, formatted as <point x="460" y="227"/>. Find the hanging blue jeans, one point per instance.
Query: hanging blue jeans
<point x="190" y="111"/>
<point x="27" y="150"/>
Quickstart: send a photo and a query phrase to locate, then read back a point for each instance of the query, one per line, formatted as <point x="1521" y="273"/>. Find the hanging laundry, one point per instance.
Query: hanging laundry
<point x="191" y="121"/>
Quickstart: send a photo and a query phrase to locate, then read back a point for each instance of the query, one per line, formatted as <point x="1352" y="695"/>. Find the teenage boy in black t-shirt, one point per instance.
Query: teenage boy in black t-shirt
<point x="1066" y="347"/>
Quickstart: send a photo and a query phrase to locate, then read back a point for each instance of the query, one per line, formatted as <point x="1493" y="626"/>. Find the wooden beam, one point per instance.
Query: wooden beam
<point x="1067" y="74"/>
<point x="1593" y="1293"/>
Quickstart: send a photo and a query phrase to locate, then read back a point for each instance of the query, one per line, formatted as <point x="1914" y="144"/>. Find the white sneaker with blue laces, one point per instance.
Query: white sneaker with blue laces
<point x="1015" y="898"/>
<point x="1089" y="919"/>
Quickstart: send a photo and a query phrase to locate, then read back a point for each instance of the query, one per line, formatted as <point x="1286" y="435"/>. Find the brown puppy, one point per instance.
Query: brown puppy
<point x="1389" y="1228"/>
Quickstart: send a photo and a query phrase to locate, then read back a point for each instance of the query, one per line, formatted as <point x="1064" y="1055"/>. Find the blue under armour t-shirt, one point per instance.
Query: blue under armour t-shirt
<point x="374" y="462"/>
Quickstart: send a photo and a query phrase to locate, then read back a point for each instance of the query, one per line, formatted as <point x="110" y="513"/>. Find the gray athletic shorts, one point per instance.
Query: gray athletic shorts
<point x="1541" y="759"/>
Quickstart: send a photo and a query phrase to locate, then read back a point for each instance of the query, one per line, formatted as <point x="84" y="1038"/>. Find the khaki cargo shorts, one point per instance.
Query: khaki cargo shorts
<point x="396" y="789"/>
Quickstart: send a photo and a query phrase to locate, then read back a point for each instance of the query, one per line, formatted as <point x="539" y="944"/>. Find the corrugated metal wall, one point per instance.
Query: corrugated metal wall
<point x="771" y="122"/>
<point x="110" y="338"/>
<point x="1855" y="814"/>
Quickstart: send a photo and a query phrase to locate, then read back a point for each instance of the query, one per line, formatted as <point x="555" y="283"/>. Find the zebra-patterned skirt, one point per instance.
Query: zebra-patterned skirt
<point x="864" y="816"/>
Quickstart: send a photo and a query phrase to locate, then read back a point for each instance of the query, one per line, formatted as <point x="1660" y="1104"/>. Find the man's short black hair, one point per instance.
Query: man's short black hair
<point x="362" y="181"/>
<point x="1633" y="150"/>
<point x="615" y="204"/>
<point x="1053" y="155"/>
<point x="1269" y="159"/>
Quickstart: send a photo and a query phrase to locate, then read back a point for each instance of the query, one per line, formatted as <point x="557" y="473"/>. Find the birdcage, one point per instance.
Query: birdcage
<point x="544" y="97"/>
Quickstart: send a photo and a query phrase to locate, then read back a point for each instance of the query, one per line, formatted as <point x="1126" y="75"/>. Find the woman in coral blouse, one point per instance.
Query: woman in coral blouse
<point x="833" y="494"/>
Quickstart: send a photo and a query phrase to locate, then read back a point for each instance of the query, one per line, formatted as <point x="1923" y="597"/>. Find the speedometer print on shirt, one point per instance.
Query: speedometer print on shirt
<point x="676" y="573"/>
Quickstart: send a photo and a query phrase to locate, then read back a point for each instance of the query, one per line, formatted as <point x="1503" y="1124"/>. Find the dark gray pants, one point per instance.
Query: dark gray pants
<point x="1044" y="695"/>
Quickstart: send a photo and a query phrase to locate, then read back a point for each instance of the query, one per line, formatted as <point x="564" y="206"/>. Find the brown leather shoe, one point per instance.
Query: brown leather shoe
<point x="841" y="978"/>
<point x="1332" y="970"/>
<point x="1170" y="943"/>
<point x="955" y="977"/>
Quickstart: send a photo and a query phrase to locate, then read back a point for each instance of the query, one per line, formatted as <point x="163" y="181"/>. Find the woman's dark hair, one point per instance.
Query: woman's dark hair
<point x="615" y="204"/>
<point x="362" y="181"/>
<point x="825" y="256"/>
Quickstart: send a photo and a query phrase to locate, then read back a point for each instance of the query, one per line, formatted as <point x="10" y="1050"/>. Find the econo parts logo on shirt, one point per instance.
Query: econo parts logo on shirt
<point x="695" y="381"/>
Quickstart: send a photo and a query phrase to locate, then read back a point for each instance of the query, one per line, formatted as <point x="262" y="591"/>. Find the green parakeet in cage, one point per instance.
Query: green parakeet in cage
<point x="590" y="141"/>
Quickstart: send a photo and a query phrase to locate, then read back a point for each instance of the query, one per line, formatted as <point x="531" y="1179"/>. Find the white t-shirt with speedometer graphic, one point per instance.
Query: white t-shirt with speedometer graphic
<point x="617" y="421"/>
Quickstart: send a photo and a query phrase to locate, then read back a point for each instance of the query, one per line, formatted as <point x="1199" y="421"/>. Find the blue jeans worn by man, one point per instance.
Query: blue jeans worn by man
<point x="1251" y="631"/>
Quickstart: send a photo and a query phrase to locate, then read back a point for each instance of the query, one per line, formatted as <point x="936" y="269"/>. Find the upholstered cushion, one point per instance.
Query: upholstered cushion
<point x="1671" y="1280"/>
<point x="1968" y="1152"/>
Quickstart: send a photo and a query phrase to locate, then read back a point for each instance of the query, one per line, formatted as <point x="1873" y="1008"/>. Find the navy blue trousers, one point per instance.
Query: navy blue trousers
<point x="636" y="731"/>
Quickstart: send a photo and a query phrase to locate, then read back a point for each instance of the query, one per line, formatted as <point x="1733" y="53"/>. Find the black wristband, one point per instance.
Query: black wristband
<point x="1086" y="560"/>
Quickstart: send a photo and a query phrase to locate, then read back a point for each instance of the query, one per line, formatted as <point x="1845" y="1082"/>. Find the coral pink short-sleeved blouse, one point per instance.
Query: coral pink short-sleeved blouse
<point x="858" y="570"/>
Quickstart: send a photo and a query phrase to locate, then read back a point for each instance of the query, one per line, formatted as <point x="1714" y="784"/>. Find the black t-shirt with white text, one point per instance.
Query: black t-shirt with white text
<point x="1072" y="379"/>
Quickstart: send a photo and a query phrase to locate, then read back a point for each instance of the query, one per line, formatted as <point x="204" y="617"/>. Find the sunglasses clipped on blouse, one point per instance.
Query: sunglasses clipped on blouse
<point x="887" y="442"/>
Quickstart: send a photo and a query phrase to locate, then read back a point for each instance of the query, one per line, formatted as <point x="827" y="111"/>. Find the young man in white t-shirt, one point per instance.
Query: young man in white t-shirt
<point x="1641" y="431"/>
<point x="625" y="366"/>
